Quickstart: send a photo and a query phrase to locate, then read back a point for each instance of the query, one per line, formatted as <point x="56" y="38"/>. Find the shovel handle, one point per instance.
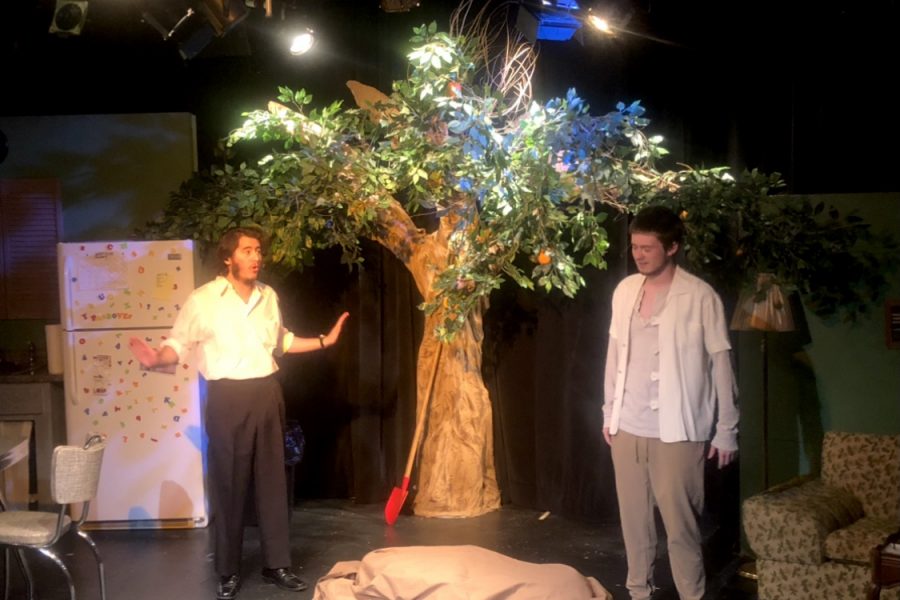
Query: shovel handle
<point x="420" y="421"/>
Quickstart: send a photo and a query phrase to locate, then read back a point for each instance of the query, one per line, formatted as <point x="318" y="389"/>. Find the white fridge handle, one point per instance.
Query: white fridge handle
<point x="64" y="266"/>
<point x="69" y="366"/>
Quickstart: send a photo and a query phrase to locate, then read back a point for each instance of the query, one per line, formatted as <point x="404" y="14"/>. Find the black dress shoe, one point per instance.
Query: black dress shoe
<point x="284" y="579"/>
<point x="228" y="587"/>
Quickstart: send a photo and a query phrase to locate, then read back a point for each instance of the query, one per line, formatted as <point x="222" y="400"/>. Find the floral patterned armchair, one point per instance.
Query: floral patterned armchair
<point x="813" y="536"/>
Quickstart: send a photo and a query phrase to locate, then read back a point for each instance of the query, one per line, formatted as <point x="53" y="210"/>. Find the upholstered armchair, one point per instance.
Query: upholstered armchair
<point x="812" y="536"/>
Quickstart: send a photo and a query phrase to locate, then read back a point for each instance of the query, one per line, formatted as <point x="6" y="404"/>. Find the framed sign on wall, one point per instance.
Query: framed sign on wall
<point x="892" y="323"/>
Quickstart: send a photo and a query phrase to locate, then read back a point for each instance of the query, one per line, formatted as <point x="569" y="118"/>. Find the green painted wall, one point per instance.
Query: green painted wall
<point x="116" y="171"/>
<point x="826" y="376"/>
<point x="858" y="376"/>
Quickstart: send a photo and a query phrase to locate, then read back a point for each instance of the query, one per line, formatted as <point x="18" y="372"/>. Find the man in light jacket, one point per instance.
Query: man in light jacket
<point x="669" y="389"/>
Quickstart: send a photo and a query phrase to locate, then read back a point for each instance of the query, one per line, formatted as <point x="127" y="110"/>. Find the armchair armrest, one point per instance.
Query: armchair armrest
<point x="790" y="522"/>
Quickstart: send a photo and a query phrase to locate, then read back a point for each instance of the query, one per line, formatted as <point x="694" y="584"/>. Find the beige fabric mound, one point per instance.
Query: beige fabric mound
<point x="453" y="573"/>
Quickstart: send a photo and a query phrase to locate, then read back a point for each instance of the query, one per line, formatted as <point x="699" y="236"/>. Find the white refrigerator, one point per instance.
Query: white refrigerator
<point x="153" y="466"/>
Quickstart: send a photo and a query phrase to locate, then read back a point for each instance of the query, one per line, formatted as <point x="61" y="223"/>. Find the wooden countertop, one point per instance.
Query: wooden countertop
<point x="40" y="376"/>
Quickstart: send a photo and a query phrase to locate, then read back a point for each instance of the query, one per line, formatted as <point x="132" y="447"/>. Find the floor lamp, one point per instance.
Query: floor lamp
<point x="763" y="309"/>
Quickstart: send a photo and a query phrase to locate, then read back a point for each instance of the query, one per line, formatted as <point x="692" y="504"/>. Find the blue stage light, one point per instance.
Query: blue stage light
<point x="548" y="20"/>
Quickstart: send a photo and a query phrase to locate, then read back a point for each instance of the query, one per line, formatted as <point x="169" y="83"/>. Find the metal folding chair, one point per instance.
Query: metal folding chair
<point x="74" y="475"/>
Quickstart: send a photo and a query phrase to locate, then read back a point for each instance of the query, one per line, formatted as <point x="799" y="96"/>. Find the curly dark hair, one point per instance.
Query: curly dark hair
<point x="228" y="243"/>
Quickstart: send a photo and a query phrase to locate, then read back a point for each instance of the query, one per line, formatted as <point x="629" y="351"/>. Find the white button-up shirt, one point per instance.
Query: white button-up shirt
<point x="695" y="399"/>
<point x="233" y="339"/>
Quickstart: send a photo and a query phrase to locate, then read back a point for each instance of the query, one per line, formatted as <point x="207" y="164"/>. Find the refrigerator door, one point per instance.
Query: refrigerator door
<point x="152" y="474"/>
<point x="119" y="285"/>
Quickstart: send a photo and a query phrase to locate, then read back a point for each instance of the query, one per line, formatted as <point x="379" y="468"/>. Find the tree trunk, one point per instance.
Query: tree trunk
<point x="456" y="475"/>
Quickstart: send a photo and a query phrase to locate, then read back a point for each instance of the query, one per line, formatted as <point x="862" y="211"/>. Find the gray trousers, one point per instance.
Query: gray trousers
<point x="245" y="425"/>
<point x="670" y="476"/>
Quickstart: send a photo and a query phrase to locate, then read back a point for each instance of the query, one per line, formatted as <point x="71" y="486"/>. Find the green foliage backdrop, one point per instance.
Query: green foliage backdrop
<point x="528" y="191"/>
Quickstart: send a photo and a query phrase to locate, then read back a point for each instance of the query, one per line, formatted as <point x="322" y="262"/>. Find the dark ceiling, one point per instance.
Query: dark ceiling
<point x="804" y="90"/>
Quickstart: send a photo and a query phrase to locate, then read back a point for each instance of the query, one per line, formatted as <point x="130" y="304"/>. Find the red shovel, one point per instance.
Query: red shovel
<point x="398" y="494"/>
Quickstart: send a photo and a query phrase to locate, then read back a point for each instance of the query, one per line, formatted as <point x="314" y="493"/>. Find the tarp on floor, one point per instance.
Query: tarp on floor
<point x="453" y="573"/>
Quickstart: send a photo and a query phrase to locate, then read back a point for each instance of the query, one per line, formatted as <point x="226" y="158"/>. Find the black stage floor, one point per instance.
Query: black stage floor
<point x="176" y="564"/>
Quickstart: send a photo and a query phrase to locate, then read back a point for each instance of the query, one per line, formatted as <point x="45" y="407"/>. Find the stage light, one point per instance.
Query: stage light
<point x="302" y="42"/>
<point x="69" y="17"/>
<point x="194" y="25"/>
<point x="600" y="24"/>
<point x="615" y="21"/>
<point x="552" y="20"/>
<point x="295" y="27"/>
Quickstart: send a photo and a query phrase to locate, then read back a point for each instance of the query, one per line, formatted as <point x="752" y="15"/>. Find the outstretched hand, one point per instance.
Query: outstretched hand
<point x="335" y="332"/>
<point x="147" y="355"/>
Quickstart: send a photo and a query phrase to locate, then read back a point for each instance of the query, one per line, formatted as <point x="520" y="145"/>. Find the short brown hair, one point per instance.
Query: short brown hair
<point x="660" y="221"/>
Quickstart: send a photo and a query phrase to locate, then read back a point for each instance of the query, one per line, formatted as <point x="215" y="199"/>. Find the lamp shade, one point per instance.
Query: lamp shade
<point x="764" y="308"/>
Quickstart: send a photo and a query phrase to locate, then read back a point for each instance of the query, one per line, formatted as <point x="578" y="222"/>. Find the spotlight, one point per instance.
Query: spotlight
<point x="613" y="22"/>
<point x="294" y="28"/>
<point x="600" y="24"/>
<point x="302" y="42"/>
<point x="194" y="25"/>
<point x="69" y="17"/>
<point x="189" y="31"/>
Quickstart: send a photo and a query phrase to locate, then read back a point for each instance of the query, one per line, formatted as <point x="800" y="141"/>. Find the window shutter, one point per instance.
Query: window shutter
<point x="31" y="226"/>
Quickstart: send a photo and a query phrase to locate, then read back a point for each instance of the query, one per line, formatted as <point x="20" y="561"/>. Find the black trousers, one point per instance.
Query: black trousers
<point x="245" y="426"/>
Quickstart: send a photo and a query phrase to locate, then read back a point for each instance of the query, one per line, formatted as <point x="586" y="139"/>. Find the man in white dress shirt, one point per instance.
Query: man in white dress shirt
<point x="233" y="323"/>
<point x="668" y="389"/>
